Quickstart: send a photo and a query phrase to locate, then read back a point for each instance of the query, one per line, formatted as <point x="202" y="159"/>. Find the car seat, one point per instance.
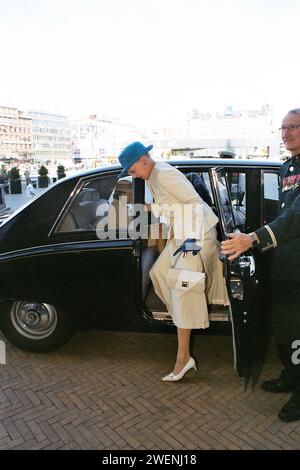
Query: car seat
<point x="86" y="207"/>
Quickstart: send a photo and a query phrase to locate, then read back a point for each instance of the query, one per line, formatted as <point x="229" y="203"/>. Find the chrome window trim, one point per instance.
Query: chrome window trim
<point x="53" y="248"/>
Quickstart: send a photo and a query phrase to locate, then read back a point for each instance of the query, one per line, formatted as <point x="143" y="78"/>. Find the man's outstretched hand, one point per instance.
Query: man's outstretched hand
<point x="236" y="245"/>
<point x="189" y="245"/>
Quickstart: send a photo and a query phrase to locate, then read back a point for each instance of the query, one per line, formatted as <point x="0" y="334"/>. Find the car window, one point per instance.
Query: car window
<point x="148" y="195"/>
<point x="101" y="204"/>
<point x="270" y="196"/>
<point x="204" y="180"/>
<point x="237" y="187"/>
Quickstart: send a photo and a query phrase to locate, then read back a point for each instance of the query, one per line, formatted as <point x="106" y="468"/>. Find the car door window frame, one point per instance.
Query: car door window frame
<point x="80" y="234"/>
<point x="264" y="172"/>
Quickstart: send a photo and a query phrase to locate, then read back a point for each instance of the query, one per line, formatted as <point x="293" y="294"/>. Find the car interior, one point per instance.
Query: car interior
<point x="89" y="206"/>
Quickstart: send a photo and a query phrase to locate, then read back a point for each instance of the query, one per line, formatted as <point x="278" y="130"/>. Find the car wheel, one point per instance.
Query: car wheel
<point x="35" y="326"/>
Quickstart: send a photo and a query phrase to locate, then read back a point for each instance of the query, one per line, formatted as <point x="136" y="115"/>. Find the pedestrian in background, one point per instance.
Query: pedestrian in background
<point x="30" y="191"/>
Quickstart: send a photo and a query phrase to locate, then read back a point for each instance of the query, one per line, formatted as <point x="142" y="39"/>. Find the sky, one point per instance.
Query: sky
<point x="149" y="61"/>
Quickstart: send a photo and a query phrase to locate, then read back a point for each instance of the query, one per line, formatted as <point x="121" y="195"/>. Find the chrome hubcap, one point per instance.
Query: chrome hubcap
<point x="33" y="320"/>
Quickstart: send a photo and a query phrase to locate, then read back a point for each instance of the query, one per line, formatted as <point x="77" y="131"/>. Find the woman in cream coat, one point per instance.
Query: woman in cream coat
<point x="187" y="216"/>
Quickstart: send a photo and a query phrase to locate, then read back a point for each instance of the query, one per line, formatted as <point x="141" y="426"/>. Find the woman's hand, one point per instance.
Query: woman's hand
<point x="236" y="245"/>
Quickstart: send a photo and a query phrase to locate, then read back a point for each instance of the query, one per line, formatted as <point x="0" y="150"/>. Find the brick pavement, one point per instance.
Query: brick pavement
<point x="103" y="390"/>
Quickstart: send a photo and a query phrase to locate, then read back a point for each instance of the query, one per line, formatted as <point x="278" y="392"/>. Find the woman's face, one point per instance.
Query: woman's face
<point x="141" y="169"/>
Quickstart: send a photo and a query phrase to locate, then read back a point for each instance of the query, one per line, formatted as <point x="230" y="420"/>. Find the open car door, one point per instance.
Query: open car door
<point x="240" y="280"/>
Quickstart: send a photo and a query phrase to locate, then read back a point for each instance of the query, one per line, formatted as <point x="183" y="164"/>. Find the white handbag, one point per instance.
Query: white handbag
<point x="187" y="291"/>
<point x="186" y="280"/>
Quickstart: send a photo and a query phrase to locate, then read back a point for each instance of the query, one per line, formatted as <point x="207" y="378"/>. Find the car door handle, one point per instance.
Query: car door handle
<point x="247" y="262"/>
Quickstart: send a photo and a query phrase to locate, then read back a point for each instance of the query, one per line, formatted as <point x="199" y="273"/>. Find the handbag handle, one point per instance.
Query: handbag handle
<point x="176" y="261"/>
<point x="184" y="254"/>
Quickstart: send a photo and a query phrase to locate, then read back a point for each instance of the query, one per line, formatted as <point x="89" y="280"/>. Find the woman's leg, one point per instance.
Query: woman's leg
<point x="158" y="275"/>
<point x="183" y="353"/>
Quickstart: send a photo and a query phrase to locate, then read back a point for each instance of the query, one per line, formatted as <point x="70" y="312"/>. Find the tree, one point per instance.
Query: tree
<point x="43" y="171"/>
<point x="61" y="172"/>
<point x="15" y="180"/>
<point x="43" y="178"/>
<point x="14" y="173"/>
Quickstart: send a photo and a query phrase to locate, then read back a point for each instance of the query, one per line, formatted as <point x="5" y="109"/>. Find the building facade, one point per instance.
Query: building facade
<point x="99" y="140"/>
<point x="248" y="133"/>
<point x="51" y="137"/>
<point x="15" y="134"/>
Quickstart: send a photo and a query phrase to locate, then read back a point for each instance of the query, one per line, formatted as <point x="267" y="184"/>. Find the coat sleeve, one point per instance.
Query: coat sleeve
<point x="284" y="228"/>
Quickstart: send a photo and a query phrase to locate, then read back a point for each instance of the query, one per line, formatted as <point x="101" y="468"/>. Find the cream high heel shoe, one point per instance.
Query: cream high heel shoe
<point x="191" y="364"/>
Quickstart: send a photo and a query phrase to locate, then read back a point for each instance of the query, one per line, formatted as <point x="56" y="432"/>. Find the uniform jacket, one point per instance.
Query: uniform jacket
<point x="171" y="189"/>
<point x="283" y="233"/>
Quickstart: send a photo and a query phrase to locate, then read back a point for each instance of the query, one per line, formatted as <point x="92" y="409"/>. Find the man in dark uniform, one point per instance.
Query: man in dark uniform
<point x="283" y="235"/>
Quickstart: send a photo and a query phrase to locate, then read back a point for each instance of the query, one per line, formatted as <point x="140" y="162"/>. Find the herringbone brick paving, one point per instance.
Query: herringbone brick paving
<point x="103" y="390"/>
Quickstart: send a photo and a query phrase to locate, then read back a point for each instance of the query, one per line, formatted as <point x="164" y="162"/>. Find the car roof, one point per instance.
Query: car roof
<point x="203" y="162"/>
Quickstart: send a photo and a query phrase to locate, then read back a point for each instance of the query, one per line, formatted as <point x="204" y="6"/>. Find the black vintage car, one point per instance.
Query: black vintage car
<point x="58" y="275"/>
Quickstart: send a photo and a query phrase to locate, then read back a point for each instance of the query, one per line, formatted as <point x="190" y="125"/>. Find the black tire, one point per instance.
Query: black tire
<point x="35" y="326"/>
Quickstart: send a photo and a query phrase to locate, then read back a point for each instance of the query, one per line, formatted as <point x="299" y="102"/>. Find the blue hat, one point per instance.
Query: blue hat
<point x="131" y="154"/>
